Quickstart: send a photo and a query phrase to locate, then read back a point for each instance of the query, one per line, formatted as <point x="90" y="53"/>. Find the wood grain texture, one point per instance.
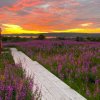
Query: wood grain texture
<point x="52" y="88"/>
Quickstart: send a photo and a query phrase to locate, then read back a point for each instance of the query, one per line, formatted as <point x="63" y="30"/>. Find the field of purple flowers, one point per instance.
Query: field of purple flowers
<point x="76" y="63"/>
<point x="13" y="83"/>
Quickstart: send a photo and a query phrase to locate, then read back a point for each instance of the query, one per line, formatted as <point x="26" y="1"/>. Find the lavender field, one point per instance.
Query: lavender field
<point x="13" y="82"/>
<point x="76" y="63"/>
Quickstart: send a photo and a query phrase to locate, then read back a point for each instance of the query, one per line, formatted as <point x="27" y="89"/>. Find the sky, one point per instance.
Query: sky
<point x="37" y="16"/>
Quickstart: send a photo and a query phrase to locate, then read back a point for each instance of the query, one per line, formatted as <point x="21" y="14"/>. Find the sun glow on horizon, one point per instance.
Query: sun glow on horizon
<point x="16" y="29"/>
<point x="10" y="28"/>
<point x="81" y="30"/>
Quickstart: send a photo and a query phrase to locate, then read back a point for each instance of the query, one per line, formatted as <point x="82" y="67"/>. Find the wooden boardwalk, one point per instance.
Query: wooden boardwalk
<point x="52" y="88"/>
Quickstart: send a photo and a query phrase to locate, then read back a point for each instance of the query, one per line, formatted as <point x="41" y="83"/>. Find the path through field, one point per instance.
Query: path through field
<point x="51" y="87"/>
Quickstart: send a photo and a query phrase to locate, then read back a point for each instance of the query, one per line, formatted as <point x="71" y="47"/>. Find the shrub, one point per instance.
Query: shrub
<point x="41" y="37"/>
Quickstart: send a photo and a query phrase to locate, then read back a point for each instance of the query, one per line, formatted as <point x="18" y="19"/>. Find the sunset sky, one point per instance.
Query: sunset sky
<point x="36" y="16"/>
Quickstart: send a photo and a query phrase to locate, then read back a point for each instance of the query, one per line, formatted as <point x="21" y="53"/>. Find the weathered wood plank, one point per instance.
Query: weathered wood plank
<point x="52" y="88"/>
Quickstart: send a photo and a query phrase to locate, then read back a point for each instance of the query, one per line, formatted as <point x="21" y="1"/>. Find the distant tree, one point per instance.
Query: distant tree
<point x="41" y="37"/>
<point x="88" y="38"/>
<point x="79" y="39"/>
<point x="93" y="39"/>
<point x="60" y="38"/>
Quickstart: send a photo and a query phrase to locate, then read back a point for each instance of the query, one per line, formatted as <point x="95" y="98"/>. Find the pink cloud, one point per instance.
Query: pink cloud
<point x="23" y="4"/>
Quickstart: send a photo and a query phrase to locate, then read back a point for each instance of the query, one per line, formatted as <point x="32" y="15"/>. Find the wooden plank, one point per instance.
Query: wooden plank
<point x="52" y="88"/>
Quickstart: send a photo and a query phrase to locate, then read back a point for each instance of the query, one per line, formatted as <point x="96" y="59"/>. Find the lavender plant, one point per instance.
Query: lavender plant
<point x="13" y="83"/>
<point x="76" y="63"/>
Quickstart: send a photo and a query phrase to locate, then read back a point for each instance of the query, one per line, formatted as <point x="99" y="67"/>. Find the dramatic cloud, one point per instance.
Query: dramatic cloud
<point x="50" y="15"/>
